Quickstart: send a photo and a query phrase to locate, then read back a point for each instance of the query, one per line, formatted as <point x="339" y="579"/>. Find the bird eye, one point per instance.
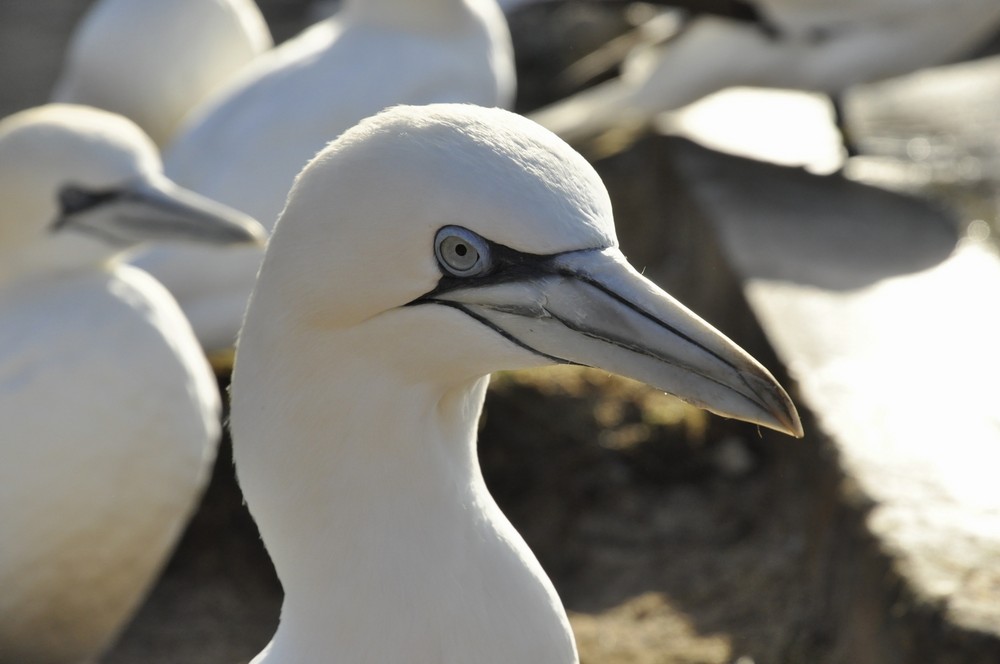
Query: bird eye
<point x="461" y="252"/>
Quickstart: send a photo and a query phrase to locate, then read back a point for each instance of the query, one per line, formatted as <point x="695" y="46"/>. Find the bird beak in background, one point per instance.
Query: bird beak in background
<point x="154" y="210"/>
<point x="593" y="308"/>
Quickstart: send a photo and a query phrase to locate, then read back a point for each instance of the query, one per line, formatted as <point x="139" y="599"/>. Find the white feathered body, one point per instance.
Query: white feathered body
<point x="97" y="478"/>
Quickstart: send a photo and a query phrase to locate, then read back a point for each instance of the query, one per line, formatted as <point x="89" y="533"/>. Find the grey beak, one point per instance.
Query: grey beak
<point x="154" y="210"/>
<point x="593" y="308"/>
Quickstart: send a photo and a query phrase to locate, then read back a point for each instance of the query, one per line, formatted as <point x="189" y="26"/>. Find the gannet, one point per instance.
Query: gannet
<point x="420" y="251"/>
<point x="109" y="414"/>
<point x="246" y="148"/>
<point x="155" y="60"/>
<point x="817" y="45"/>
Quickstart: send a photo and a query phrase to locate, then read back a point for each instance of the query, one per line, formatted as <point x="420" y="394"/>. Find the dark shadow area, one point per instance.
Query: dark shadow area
<point x="549" y="38"/>
<point x="218" y="598"/>
<point x="787" y="224"/>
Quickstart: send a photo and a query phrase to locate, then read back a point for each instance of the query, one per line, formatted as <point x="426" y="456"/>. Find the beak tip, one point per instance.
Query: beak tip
<point x="236" y="228"/>
<point x="798" y="431"/>
<point x="793" y="426"/>
<point x="257" y="234"/>
<point x="786" y="418"/>
<point x="772" y="404"/>
<point x="243" y="229"/>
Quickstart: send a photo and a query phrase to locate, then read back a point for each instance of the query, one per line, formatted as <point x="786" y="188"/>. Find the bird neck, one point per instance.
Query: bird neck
<point x="369" y="497"/>
<point x="50" y="262"/>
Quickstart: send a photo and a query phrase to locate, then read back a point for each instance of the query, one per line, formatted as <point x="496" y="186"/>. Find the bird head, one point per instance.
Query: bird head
<point x="452" y="241"/>
<point x="81" y="186"/>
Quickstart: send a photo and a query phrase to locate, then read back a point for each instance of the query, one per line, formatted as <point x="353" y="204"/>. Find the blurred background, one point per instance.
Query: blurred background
<point x="673" y="536"/>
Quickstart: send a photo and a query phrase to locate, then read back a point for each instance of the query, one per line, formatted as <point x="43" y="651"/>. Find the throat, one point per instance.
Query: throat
<point x="370" y="466"/>
<point x="386" y="541"/>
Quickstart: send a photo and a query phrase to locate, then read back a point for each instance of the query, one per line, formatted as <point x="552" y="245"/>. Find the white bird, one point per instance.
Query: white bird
<point x="819" y="45"/>
<point x="109" y="414"/>
<point x="422" y="250"/>
<point x="153" y="61"/>
<point x="245" y="149"/>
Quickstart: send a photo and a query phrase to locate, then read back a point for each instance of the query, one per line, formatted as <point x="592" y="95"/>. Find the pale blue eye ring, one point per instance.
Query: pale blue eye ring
<point x="460" y="252"/>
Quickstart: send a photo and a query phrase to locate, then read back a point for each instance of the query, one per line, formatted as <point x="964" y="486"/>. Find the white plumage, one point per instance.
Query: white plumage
<point x="109" y="414"/>
<point x="245" y="148"/>
<point x="422" y="250"/>
<point x="821" y="45"/>
<point x="155" y="60"/>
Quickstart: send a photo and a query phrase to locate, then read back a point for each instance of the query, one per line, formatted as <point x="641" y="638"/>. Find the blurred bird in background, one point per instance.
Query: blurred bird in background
<point x="802" y="44"/>
<point x="154" y="61"/>
<point x="109" y="414"/>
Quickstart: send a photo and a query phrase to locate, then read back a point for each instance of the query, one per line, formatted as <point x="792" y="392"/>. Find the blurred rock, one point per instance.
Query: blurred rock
<point x="732" y="458"/>
<point x="889" y="331"/>
<point x="935" y="132"/>
<point x="785" y="224"/>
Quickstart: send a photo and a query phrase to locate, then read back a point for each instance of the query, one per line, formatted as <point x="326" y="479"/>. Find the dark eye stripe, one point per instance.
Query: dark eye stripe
<point x="505" y="265"/>
<point x="74" y="200"/>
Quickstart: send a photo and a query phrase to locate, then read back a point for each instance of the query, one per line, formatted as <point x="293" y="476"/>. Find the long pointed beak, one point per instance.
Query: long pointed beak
<point x="593" y="308"/>
<point x="155" y="210"/>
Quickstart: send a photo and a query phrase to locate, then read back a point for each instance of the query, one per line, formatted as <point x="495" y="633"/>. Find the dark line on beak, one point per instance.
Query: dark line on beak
<point x="512" y="265"/>
<point x="646" y="352"/>
<point x="645" y="314"/>
<point x="587" y="279"/>
<point x="503" y="333"/>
